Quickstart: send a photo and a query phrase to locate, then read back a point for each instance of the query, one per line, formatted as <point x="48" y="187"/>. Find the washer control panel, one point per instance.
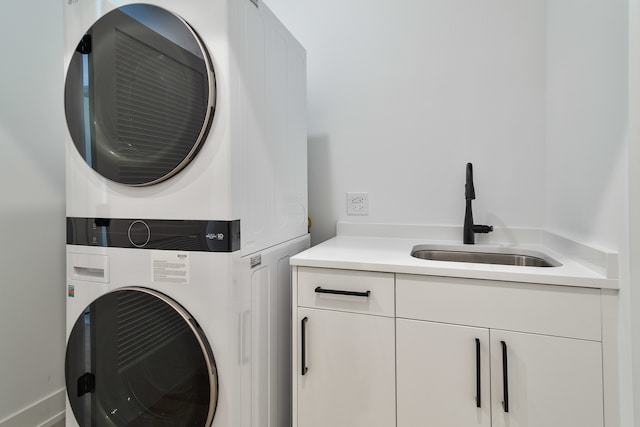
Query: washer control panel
<point x="177" y="235"/>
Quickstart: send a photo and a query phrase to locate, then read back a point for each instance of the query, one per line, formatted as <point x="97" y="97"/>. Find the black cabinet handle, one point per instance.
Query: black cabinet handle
<point x="478" y="379"/>
<point x="319" y="290"/>
<point x="505" y="378"/>
<point x="303" y="327"/>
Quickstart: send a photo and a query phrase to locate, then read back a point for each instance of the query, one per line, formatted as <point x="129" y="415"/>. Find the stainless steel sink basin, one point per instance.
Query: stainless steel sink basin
<point x="503" y="256"/>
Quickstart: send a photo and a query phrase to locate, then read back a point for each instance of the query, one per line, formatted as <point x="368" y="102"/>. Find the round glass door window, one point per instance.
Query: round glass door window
<point x="136" y="358"/>
<point x="139" y="95"/>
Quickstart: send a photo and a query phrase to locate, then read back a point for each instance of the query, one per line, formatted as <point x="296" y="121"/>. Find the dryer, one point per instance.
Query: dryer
<point x="174" y="337"/>
<point x="191" y="110"/>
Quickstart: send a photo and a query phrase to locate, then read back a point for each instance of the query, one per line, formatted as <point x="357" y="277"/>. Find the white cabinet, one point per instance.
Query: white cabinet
<point x="349" y="377"/>
<point x="546" y="373"/>
<point x="443" y="375"/>
<point x="551" y="381"/>
<point x="383" y="349"/>
<point x="345" y="349"/>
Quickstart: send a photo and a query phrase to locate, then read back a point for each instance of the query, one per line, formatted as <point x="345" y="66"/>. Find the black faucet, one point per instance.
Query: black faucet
<point x="470" y="229"/>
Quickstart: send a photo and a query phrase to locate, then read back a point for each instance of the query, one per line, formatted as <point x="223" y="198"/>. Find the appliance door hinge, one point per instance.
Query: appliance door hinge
<point x="86" y="384"/>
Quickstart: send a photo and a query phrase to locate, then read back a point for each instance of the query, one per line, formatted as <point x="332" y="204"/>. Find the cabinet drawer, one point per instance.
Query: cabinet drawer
<point x="346" y="290"/>
<point x="542" y="309"/>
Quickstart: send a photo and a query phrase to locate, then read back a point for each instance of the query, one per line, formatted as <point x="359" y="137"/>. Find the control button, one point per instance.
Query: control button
<point x="139" y="234"/>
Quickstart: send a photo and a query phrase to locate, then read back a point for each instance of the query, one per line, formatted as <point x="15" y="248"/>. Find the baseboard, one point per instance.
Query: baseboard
<point x="55" y="421"/>
<point x="44" y="413"/>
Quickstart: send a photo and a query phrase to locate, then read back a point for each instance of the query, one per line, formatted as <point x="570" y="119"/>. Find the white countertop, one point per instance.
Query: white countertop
<point x="389" y="254"/>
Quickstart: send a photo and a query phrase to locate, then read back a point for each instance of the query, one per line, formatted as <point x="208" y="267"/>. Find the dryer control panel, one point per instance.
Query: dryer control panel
<point x="175" y="235"/>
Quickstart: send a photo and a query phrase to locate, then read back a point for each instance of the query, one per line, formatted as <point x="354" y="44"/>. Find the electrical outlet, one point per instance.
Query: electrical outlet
<point x="357" y="203"/>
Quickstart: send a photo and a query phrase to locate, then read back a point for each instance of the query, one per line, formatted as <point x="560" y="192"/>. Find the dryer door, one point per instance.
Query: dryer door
<point x="139" y="95"/>
<point x="137" y="358"/>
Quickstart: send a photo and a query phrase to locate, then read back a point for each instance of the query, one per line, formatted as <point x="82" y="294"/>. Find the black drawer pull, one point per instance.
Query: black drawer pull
<point x="319" y="290"/>
<point x="303" y="362"/>
<point x="505" y="379"/>
<point x="478" y="379"/>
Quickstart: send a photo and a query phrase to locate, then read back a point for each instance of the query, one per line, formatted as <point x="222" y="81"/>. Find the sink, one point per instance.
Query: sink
<point x="502" y="256"/>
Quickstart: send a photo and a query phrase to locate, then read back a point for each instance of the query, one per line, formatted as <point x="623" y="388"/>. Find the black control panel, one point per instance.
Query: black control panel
<point x="176" y="235"/>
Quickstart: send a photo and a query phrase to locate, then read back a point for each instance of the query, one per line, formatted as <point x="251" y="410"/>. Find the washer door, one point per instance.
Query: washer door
<point x="137" y="358"/>
<point x="139" y="95"/>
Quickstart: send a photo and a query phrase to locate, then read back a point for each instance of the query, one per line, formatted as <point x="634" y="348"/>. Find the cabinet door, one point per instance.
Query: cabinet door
<point x="550" y="381"/>
<point x="349" y="369"/>
<point x="440" y="368"/>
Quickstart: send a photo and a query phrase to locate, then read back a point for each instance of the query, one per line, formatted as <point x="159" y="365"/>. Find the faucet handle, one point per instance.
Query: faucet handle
<point x="469" y="190"/>
<point x="482" y="228"/>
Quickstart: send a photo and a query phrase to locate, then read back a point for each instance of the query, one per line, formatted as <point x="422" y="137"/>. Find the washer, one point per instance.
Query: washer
<point x="192" y="110"/>
<point x="173" y="337"/>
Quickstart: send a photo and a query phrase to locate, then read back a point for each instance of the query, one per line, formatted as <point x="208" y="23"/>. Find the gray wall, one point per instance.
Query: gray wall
<point x="32" y="216"/>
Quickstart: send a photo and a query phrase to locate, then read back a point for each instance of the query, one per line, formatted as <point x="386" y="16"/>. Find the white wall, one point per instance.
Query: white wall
<point x="32" y="217"/>
<point x="403" y="93"/>
<point x="586" y="121"/>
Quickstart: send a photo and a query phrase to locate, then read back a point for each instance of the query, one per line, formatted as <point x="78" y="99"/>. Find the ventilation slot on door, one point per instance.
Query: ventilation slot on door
<point x="160" y="103"/>
<point x="145" y="325"/>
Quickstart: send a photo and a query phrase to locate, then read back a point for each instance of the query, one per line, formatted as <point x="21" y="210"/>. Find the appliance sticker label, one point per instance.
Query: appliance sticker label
<point x="71" y="291"/>
<point x="170" y="267"/>
<point x="255" y="260"/>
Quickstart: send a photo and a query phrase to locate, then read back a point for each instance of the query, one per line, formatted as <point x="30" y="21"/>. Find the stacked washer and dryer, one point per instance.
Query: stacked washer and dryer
<point x="186" y="196"/>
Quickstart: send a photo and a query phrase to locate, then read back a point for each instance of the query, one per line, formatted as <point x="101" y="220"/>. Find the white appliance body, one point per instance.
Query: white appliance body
<point x="252" y="163"/>
<point x="236" y="301"/>
<point x="207" y="244"/>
